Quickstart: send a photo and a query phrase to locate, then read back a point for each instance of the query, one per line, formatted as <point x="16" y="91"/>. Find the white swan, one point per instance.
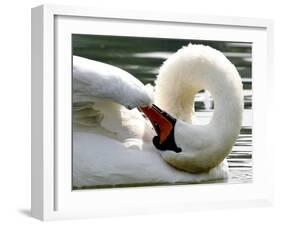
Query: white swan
<point x="113" y="145"/>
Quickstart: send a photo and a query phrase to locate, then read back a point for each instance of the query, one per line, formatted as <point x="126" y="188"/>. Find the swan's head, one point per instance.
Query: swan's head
<point x="163" y="124"/>
<point x="132" y="93"/>
<point x="136" y="98"/>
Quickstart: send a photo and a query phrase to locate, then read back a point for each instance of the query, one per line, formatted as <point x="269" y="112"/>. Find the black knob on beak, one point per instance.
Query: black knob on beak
<point x="168" y="145"/>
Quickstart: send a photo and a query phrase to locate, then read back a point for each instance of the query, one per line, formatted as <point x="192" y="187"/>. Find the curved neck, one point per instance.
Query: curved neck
<point x="190" y="70"/>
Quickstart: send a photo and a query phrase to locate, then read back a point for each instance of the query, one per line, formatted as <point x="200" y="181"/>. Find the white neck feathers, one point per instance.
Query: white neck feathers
<point x="188" y="71"/>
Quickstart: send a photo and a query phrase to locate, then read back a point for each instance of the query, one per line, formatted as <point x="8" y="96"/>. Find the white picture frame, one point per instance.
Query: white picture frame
<point x="52" y="197"/>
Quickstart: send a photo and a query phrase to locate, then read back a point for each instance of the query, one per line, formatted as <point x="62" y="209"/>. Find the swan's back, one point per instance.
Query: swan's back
<point x="100" y="161"/>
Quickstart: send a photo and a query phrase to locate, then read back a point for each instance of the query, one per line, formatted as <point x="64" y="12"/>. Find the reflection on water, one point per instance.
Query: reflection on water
<point x="143" y="57"/>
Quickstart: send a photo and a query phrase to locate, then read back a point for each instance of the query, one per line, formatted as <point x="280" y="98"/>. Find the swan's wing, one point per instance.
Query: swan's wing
<point x="94" y="80"/>
<point x="99" y="91"/>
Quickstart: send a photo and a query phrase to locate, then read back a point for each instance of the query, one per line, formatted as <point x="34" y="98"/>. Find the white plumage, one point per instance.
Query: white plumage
<point x="112" y="145"/>
<point x="190" y="70"/>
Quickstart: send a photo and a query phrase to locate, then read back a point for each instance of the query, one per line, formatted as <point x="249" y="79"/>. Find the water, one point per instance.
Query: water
<point x="143" y="57"/>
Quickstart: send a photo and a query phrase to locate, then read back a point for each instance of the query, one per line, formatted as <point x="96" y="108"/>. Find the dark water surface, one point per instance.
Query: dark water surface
<point x="143" y="57"/>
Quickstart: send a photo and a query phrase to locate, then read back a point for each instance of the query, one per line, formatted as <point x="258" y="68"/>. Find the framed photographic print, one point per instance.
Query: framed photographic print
<point x="135" y="112"/>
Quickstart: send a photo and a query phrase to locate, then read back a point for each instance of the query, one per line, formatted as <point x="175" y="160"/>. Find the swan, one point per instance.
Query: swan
<point x="114" y="144"/>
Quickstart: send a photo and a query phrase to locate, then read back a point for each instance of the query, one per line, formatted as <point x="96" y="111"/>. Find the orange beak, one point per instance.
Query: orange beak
<point x="158" y="118"/>
<point x="163" y="124"/>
